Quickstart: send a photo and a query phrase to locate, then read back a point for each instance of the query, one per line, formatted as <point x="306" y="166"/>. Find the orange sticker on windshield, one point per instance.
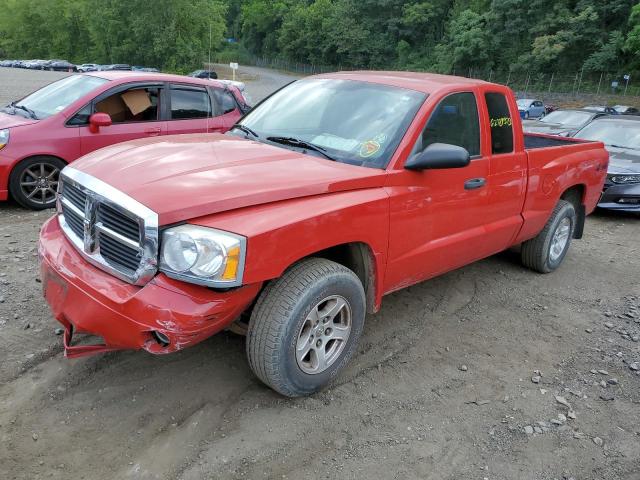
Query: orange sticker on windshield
<point x="369" y="148"/>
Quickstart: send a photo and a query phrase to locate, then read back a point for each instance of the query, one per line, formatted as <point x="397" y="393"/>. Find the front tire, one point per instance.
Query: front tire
<point x="545" y="252"/>
<point x="34" y="182"/>
<point x="305" y="327"/>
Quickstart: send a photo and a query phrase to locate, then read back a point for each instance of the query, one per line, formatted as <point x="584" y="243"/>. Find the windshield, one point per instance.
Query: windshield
<point x="623" y="134"/>
<point x="57" y="96"/>
<point x="524" y="103"/>
<point x="354" y="122"/>
<point x="567" y="117"/>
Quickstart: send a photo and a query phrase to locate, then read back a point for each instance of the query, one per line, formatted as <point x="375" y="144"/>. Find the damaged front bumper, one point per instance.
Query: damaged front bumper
<point x="163" y="316"/>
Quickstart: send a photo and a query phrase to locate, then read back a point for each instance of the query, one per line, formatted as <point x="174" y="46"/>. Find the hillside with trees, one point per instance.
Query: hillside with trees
<point x="435" y="35"/>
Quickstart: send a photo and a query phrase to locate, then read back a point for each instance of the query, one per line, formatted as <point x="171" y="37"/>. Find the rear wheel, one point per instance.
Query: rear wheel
<point x="34" y="182"/>
<point x="545" y="252"/>
<point x="306" y="326"/>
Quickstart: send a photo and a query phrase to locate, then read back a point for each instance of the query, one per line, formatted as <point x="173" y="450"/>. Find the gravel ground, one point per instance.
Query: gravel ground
<point x="477" y="374"/>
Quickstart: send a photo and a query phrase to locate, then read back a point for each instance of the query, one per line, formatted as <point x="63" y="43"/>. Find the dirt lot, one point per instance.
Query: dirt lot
<point x="450" y="377"/>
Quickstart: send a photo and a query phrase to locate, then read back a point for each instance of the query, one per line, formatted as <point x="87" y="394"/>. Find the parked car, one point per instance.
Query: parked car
<point x="60" y="66"/>
<point x="548" y="108"/>
<point x="601" y="108"/>
<point x="204" y="74"/>
<point x="53" y="126"/>
<point x="626" y="110"/>
<point x="531" y="108"/>
<point x="88" y="67"/>
<point x="621" y="136"/>
<point x="34" y="64"/>
<point x="115" y="66"/>
<point x="564" y="122"/>
<point x="7" y="63"/>
<point x="138" y="68"/>
<point x="336" y="190"/>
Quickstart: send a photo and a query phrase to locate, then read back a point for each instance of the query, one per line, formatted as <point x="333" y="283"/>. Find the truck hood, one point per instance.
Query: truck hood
<point x="623" y="160"/>
<point x="533" y="126"/>
<point x="186" y="176"/>
<point x="17" y="120"/>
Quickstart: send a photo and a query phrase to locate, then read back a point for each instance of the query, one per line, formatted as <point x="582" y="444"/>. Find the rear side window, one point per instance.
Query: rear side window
<point x="189" y="103"/>
<point x="500" y="122"/>
<point x="454" y="121"/>
<point x="225" y="101"/>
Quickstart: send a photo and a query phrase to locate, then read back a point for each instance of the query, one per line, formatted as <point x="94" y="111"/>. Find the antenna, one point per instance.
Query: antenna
<point x="209" y="64"/>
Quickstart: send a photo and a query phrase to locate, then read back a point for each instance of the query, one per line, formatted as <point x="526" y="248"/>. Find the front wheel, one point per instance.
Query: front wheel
<point x="305" y="327"/>
<point x="526" y="115"/>
<point x="546" y="251"/>
<point x="34" y="182"/>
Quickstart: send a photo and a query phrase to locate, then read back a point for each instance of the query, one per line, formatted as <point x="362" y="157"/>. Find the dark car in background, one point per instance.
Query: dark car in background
<point x="203" y="74"/>
<point x="601" y="108"/>
<point x="564" y="123"/>
<point x="61" y="66"/>
<point x="621" y="137"/>
<point x="115" y="66"/>
<point x="626" y="110"/>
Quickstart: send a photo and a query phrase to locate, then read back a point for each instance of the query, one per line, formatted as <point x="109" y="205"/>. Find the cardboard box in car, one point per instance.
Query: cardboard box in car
<point x="114" y="106"/>
<point x="136" y="100"/>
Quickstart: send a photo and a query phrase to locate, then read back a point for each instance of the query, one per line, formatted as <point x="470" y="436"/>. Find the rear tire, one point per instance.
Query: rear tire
<point x="305" y="327"/>
<point x="545" y="252"/>
<point x="33" y="182"/>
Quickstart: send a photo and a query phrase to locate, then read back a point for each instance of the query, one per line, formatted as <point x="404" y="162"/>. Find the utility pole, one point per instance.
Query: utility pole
<point x="209" y="64"/>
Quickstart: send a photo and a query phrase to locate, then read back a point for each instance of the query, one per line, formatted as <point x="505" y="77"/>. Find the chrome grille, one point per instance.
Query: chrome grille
<point x="110" y="229"/>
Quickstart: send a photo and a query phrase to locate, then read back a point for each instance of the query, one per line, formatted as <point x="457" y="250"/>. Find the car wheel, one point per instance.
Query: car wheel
<point x="526" y="115"/>
<point x="34" y="182"/>
<point x="542" y="115"/>
<point x="546" y="251"/>
<point x="305" y="327"/>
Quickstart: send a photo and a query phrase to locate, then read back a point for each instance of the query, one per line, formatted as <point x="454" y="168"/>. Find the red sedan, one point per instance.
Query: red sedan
<point x="69" y="118"/>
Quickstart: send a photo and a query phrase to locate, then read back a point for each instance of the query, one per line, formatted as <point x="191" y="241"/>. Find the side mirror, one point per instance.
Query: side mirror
<point x="439" y="155"/>
<point x="98" y="120"/>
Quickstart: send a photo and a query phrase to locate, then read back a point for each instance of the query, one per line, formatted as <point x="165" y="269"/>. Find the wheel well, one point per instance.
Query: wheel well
<point x="358" y="258"/>
<point x="15" y="165"/>
<point x="575" y="196"/>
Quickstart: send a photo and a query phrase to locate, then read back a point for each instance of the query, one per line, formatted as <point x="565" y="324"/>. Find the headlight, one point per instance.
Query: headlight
<point x="624" y="179"/>
<point x="4" y="138"/>
<point x="203" y="255"/>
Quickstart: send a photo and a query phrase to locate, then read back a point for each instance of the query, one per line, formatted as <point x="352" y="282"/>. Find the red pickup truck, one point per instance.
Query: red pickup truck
<point x="333" y="192"/>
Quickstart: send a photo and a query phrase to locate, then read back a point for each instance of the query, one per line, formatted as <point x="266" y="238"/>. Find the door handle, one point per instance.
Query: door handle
<point x="474" y="183"/>
<point x="153" y="131"/>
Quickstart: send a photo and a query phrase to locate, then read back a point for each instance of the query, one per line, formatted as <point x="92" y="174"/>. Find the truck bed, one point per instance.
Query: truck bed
<point x="532" y="141"/>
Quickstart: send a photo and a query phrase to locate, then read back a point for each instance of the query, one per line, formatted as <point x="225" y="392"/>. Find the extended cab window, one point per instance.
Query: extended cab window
<point x="500" y="123"/>
<point x="187" y="103"/>
<point x="137" y="104"/>
<point x="454" y="121"/>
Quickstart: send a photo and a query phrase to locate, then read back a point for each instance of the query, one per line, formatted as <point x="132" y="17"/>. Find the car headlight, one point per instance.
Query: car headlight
<point x="624" y="179"/>
<point x="4" y="138"/>
<point x="202" y="255"/>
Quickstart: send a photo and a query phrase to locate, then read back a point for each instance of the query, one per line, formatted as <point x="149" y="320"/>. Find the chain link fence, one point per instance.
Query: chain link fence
<point x="578" y="85"/>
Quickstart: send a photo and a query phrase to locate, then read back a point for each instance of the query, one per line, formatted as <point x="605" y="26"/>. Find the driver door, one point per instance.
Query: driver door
<point x="437" y="219"/>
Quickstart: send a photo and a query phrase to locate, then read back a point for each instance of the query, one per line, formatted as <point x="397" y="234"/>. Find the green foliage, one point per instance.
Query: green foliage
<point x="507" y="36"/>
<point x="170" y="34"/>
<point x="446" y="35"/>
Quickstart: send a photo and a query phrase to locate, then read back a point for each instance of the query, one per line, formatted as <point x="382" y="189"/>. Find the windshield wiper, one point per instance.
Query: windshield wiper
<point x="31" y="113"/>
<point x="245" y="129"/>
<point x="621" y="146"/>
<point x="296" y="142"/>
